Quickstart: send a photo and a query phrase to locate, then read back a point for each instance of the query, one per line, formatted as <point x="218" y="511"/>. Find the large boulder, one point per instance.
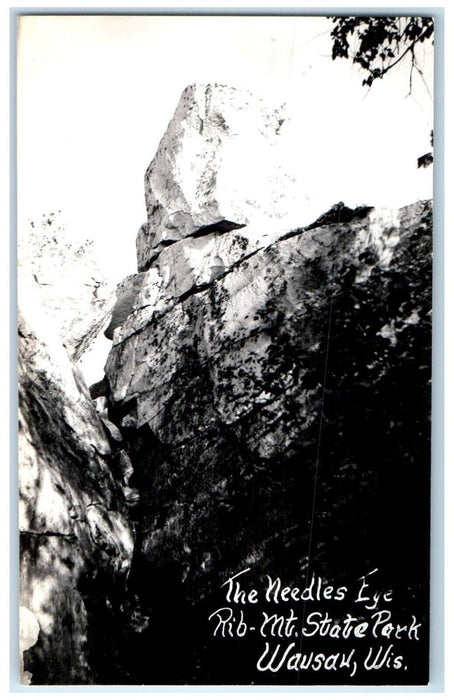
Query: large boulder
<point x="217" y="168"/>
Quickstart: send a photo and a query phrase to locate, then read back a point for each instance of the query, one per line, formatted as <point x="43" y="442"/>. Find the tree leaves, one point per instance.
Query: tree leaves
<point x="377" y="44"/>
<point x="425" y="160"/>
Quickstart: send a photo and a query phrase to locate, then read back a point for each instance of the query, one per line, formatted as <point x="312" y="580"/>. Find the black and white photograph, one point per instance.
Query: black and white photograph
<point x="225" y="339"/>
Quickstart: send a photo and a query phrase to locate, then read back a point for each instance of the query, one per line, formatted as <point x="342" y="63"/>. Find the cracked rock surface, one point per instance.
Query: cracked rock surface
<point x="265" y="408"/>
<point x="194" y="185"/>
<point x="273" y="389"/>
<point x="300" y="370"/>
<point x="76" y="536"/>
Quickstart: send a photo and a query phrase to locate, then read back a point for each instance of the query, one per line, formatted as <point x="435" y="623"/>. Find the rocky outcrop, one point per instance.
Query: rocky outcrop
<point x="194" y="186"/>
<point x="265" y="408"/>
<point x="75" y="529"/>
<point x="224" y="379"/>
<point x="274" y="396"/>
<point x="61" y="285"/>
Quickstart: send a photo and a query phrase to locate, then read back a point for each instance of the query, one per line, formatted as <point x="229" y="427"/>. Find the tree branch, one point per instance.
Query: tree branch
<point x="421" y="37"/>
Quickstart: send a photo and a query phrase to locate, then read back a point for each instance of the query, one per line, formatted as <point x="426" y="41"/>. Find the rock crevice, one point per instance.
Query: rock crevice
<point x="265" y="407"/>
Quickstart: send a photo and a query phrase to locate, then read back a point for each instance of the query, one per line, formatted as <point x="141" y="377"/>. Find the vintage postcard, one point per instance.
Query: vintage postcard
<point x="225" y="343"/>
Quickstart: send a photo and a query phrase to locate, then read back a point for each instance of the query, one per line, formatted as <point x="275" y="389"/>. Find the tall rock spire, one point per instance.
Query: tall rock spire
<point x="218" y="167"/>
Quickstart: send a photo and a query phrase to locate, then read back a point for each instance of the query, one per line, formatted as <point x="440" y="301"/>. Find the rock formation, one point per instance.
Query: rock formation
<point x="194" y="185"/>
<point x="76" y="537"/>
<point x="271" y="389"/>
<point x="292" y="375"/>
<point x="61" y="285"/>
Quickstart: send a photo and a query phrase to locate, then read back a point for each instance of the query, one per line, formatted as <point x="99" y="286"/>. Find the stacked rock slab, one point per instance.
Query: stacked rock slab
<point x="265" y="382"/>
<point x="193" y="184"/>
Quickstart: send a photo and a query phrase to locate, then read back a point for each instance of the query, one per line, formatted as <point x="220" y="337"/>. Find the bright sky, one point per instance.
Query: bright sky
<point x="96" y="95"/>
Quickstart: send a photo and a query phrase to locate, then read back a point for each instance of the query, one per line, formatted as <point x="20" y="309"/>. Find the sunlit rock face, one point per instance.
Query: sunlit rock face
<point x="194" y="184"/>
<point x="266" y="408"/>
<point x="258" y="376"/>
<point x="226" y="373"/>
<point x="61" y="284"/>
<point x="75" y="533"/>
